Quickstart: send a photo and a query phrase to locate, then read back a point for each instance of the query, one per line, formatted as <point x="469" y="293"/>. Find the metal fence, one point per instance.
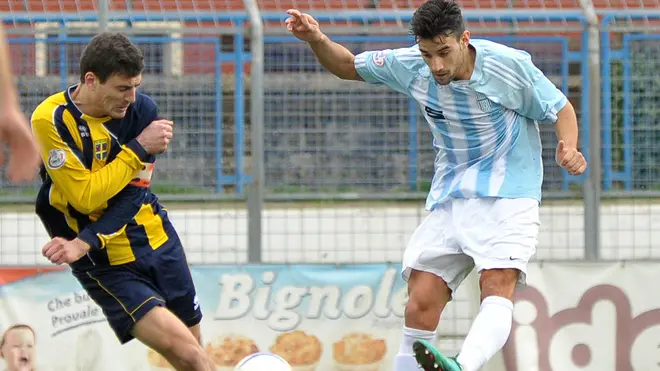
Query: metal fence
<point x="275" y="160"/>
<point x="342" y="166"/>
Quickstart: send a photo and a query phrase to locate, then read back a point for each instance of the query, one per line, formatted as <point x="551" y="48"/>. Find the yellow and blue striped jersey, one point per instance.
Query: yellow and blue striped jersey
<point x="94" y="186"/>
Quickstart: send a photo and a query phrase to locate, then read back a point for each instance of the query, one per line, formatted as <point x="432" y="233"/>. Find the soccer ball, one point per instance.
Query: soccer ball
<point x="263" y="362"/>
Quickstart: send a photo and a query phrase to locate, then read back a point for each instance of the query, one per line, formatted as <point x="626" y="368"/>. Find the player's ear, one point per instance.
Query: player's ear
<point x="90" y="80"/>
<point x="465" y="38"/>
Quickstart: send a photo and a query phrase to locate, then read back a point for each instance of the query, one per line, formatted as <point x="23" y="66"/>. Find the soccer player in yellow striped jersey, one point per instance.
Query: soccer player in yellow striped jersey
<point x="98" y="140"/>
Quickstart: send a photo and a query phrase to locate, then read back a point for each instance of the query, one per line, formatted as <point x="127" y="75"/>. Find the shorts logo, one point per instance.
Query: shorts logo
<point x="56" y="158"/>
<point x="195" y="303"/>
<point x="379" y="58"/>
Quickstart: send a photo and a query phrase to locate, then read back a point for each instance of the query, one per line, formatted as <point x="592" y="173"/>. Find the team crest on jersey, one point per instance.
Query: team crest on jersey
<point x="483" y="102"/>
<point x="379" y="58"/>
<point x="56" y="158"/>
<point x="101" y="149"/>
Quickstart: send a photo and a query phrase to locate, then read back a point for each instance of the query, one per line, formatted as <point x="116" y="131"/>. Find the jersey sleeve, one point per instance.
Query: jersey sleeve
<point x="395" y="68"/>
<point x="84" y="189"/>
<point x="121" y="210"/>
<point x="520" y="86"/>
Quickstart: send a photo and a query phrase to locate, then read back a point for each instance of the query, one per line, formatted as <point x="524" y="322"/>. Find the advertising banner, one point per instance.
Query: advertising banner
<point x="571" y="317"/>
<point x="587" y="317"/>
<point x="318" y="317"/>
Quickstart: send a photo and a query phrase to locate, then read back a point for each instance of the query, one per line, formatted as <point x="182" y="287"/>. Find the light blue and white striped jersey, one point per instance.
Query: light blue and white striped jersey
<point x="485" y="129"/>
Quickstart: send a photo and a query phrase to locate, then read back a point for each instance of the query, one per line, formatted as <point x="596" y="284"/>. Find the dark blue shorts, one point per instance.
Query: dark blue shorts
<point x="127" y="292"/>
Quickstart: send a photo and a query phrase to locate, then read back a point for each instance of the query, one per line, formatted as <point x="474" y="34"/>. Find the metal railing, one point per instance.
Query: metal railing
<point x="259" y="121"/>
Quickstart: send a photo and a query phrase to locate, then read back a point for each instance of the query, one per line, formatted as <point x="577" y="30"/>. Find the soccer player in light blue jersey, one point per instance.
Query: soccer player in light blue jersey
<point x="484" y="103"/>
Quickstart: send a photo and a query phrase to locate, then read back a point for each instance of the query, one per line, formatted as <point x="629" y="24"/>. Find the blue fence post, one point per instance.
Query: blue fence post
<point x="239" y="108"/>
<point x="412" y="144"/>
<point x="606" y="103"/>
<point x="586" y="94"/>
<point x="566" y="177"/>
<point x="63" y="65"/>
<point x="627" y="115"/>
<point x="218" y="117"/>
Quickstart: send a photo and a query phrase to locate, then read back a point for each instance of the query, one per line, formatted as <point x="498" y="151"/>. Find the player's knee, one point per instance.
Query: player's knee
<point x="423" y="312"/>
<point x="498" y="282"/>
<point x="428" y="295"/>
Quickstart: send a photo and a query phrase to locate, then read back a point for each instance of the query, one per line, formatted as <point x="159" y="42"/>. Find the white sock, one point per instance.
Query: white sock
<point x="488" y="334"/>
<point x="404" y="360"/>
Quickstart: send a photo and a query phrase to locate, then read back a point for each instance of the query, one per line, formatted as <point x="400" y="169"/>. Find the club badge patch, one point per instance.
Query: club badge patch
<point x="101" y="149"/>
<point x="56" y="158"/>
<point x="379" y="58"/>
<point x="483" y="102"/>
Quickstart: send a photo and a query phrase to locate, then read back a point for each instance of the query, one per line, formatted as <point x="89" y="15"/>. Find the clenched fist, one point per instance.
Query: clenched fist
<point x="156" y="137"/>
<point x="570" y="159"/>
<point x="61" y="251"/>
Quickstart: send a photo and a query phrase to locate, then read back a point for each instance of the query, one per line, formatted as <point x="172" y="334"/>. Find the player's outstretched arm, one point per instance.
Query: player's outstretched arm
<point x="14" y="129"/>
<point x="334" y="57"/>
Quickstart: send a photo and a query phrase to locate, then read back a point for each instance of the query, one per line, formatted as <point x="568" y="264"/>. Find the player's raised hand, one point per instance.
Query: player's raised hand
<point x="570" y="159"/>
<point x="61" y="251"/>
<point x="156" y="137"/>
<point x="24" y="159"/>
<point x="303" y="26"/>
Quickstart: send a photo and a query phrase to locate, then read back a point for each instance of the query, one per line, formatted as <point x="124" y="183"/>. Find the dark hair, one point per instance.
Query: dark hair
<point x="109" y="54"/>
<point x="437" y="18"/>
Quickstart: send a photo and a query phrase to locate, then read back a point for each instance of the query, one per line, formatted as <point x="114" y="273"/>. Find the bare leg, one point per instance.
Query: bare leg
<point x="197" y="333"/>
<point x="162" y="331"/>
<point x="428" y="296"/>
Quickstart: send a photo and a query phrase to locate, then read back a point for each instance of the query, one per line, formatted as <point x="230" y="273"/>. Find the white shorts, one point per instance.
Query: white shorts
<point x="489" y="233"/>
